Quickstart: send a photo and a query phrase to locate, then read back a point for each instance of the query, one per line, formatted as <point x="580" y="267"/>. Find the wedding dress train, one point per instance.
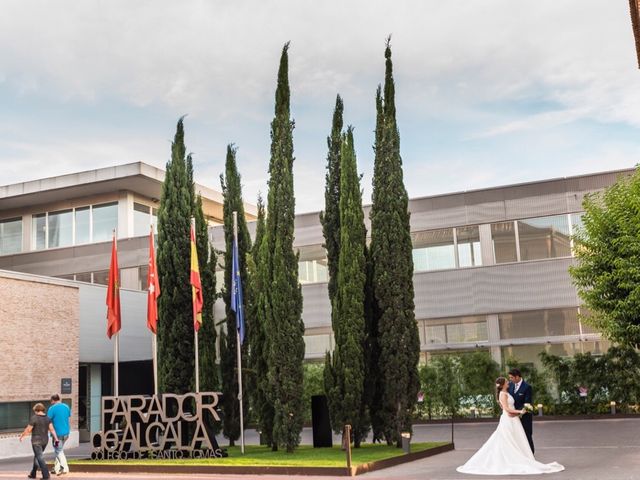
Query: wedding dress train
<point x="507" y="452"/>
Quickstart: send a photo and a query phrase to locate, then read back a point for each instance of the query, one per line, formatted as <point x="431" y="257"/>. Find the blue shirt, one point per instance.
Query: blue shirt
<point x="59" y="414"/>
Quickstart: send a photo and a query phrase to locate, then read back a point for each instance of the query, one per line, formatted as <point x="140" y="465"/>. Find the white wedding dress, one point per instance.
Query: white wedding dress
<point x="507" y="452"/>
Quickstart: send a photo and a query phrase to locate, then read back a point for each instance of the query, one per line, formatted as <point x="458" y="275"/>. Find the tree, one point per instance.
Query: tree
<point x="607" y="273"/>
<point x="446" y="387"/>
<point x="256" y="330"/>
<point x="175" y="322"/>
<point x="284" y="327"/>
<point x="478" y="372"/>
<point x="330" y="217"/>
<point x="232" y="202"/>
<point x="391" y="250"/>
<point x="348" y="363"/>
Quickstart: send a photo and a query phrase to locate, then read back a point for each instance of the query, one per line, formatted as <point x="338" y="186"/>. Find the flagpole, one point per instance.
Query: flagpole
<point x="116" y="343"/>
<point x="238" y="344"/>
<point x="154" y="352"/>
<point x="195" y="331"/>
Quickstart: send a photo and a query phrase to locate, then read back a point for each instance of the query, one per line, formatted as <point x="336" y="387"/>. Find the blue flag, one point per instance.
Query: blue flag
<point x="236" y="291"/>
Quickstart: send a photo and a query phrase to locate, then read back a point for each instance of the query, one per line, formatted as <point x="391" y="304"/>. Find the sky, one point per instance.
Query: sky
<point x="488" y="92"/>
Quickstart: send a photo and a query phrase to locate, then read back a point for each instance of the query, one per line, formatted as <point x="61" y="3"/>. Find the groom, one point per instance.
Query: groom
<point x="522" y="393"/>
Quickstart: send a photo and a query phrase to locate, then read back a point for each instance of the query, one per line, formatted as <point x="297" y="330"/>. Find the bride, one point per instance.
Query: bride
<point x="507" y="451"/>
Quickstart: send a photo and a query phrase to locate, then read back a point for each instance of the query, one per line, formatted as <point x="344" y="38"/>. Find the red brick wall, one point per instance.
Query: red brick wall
<point x="39" y="339"/>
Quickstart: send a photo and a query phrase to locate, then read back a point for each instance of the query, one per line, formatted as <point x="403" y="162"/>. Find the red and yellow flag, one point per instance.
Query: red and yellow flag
<point x="114" y="320"/>
<point x="153" y="288"/>
<point x="196" y="285"/>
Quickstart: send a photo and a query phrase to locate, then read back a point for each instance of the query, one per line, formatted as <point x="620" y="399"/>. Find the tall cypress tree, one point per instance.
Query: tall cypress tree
<point x="330" y="217"/>
<point x="232" y="194"/>
<point x="285" y="328"/>
<point x="348" y="366"/>
<point x="175" y="322"/>
<point x="391" y="250"/>
<point x="256" y="328"/>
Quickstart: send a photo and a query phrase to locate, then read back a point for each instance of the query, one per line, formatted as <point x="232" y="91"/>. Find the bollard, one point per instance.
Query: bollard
<point x="347" y="443"/>
<point x="613" y="407"/>
<point x="406" y="442"/>
<point x="540" y="410"/>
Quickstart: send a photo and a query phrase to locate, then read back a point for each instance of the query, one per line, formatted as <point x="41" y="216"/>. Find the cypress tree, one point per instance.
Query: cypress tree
<point x="348" y="375"/>
<point x="284" y="328"/>
<point x="330" y="218"/>
<point x="232" y="195"/>
<point x="391" y="250"/>
<point x="261" y="406"/>
<point x="175" y="322"/>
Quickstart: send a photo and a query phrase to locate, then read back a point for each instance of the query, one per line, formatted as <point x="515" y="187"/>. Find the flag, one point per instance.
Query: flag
<point x="236" y="291"/>
<point x="153" y="288"/>
<point x="196" y="285"/>
<point x="114" y="320"/>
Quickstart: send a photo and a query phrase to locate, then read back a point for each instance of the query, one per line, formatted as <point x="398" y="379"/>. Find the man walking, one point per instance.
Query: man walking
<point x="59" y="414"/>
<point x="39" y="428"/>
<point x="522" y="393"/>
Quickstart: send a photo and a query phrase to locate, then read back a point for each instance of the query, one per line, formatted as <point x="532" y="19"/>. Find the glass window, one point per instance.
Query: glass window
<point x="503" y="238"/>
<point x="105" y="220"/>
<point x="154" y="220"/>
<point x="83" y="277"/>
<point x="141" y="219"/>
<point x="101" y="277"/>
<point x="539" y="323"/>
<point x="544" y="237"/>
<point x="10" y="236"/>
<point x="39" y="231"/>
<point x="83" y="226"/>
<point x="60" y="225"/>
<point x="433" y="250"/>
<point x="66" y="277"/>
<point x="456" y="330"/>
<point x="143" y="273"/>
<point x="317" y="344"/>
<point x="530" y="353"/>
<point x="15" y="415"/>
<point x="468" y="239"/>
<point x="576" y="221"/>
<point x="313" y="271"/>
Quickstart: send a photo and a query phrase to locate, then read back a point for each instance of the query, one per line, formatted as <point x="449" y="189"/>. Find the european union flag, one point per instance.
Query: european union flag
<point x="236" y="291"/>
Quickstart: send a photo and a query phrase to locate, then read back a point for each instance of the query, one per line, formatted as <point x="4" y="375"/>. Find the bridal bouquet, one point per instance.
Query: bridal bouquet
<point x="528" y="408"/>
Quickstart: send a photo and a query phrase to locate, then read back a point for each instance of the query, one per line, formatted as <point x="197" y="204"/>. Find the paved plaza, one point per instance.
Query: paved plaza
<point x="589" y="449"/>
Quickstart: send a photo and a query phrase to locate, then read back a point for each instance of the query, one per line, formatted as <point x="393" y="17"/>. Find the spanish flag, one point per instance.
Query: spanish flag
<point x="114" y="320"/>
<point x="196" y="285"/>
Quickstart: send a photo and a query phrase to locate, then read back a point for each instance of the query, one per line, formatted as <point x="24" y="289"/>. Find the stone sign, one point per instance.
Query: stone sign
<point x="158" y="426"/>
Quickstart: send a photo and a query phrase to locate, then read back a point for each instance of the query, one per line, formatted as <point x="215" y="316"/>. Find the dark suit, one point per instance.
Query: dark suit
<point x="522" y="396"/>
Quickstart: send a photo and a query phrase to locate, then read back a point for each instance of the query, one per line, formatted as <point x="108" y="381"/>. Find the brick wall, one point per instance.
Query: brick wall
<point x="39" y="339"/>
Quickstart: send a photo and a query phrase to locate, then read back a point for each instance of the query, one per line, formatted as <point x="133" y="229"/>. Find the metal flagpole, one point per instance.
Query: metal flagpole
<point x="154" y="348"/>
<point x="193" y="228"/>
<point x="238" y="344"/>
<point x="116" y="344"/>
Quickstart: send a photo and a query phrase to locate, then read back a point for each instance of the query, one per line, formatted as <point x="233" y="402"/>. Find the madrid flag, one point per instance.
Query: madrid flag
<point x="153" y="288"/>
<point x="113" y="294"/>
<point x="196" y="285"/>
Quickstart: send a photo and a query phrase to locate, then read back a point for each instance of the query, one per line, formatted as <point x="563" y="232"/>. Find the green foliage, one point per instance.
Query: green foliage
<point x="283" y="297"/>
<point x="610" y="377"/>
<point x="313" y="385"/>
<point x="447" y="388"/>
<point x="330" y="217"/>
<point x="607" y="273"/>
<point x="256" y="330"/>
<point x="175" y="322"/>
<point x="232" y="194"/>
<point x="348" y="364"/>
<point x="391" y="250"/>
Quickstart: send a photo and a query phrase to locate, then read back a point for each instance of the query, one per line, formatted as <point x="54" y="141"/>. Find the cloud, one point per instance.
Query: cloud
<point x="471" y="67"/>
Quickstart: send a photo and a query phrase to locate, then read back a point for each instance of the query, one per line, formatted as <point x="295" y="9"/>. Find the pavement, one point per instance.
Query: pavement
<point x="606" y="449"/>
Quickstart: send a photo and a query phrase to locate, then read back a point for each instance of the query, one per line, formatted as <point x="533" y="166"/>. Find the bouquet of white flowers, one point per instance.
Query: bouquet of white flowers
<point x="527" y="408"/>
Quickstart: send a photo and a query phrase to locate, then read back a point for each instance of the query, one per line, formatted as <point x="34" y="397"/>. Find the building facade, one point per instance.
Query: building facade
<point x="490" y="270"/>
